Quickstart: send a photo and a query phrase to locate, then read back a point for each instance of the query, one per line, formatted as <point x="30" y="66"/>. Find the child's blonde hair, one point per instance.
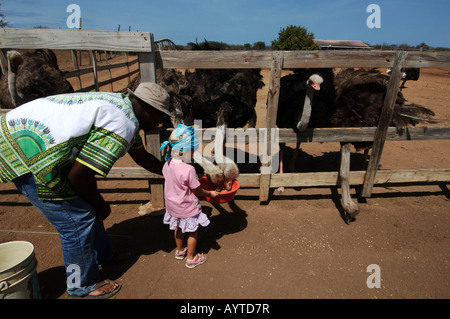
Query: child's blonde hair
<point x="173" y="139"/>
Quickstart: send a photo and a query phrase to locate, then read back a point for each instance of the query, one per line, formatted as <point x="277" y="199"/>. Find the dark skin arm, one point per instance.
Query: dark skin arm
<point x="146" y="160"/>
<point x="83" y="182"/>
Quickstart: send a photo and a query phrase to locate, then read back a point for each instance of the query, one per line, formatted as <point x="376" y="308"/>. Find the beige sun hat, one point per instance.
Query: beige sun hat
<point x="153" y="94"/>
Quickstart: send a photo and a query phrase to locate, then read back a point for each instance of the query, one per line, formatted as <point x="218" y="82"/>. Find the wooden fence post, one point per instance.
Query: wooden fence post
<point x="271" y="118"/>
<point x="93" y="56"/>
<point x="152" y="139"/>
<point x="385" y="119"/>
<point x="76" y="66"/>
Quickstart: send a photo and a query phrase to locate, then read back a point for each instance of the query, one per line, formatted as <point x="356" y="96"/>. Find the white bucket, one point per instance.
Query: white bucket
<point x="18" y="278"/>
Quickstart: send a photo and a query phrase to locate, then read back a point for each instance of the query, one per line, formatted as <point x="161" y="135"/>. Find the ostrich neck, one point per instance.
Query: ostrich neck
<point x="306" y="115"/>
<point x="219" y="143"/>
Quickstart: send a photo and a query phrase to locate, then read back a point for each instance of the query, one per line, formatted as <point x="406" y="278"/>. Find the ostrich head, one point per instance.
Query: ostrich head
<point x="315" y="81"/>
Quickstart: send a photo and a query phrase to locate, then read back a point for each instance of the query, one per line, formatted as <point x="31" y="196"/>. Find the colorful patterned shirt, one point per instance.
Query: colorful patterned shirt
<point x="45" y="136"/>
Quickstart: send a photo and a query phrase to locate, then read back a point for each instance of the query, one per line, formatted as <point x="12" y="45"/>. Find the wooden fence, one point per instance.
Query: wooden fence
<point x="150" y="59"/>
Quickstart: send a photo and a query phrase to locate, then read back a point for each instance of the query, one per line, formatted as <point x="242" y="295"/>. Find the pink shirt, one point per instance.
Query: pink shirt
<point x="180" y="180"/>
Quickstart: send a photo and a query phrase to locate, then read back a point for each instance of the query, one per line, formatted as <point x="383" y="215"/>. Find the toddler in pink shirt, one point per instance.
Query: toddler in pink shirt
<point x="181" y="192"/>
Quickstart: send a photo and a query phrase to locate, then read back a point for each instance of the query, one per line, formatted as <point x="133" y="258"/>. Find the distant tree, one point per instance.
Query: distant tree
<point x="404" y="46"/>
<point x="3" y="22"/>
<point x="423" y="46"/>
<point x="259" y="45"/>
<point x="247" y="46"/>
<point x="294" y="38"/>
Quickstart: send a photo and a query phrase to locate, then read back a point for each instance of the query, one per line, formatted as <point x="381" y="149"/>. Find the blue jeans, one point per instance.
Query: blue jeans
<point x="84" y="241"/>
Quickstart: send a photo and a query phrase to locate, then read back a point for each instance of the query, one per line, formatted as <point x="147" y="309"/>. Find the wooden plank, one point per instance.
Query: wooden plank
<point x="366" y="59"/>
<point x="320" y="135"/>
<point x="363" y="134"/>
<point x="385" y="119"/>
<point x="318" y="179"/>
<point x="313" y="179"/>
<point x="213" y="59"/>
<point x="131" y="173"/>
<point x="64" y="39"/>
<point x="296" y="59"/>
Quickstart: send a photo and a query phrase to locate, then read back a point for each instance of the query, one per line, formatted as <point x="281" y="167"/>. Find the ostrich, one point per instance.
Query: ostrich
<point x="31" y="75"/>
<point x="306" y="88"/>
<point x="357" y="100"/>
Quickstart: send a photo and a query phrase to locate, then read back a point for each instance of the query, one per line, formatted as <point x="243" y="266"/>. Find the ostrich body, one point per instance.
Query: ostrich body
<point x="30" y="76"/>
<point x="356" y="98"/>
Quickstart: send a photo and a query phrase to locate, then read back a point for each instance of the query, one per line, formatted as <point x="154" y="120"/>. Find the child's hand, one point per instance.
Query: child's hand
<point x="213" y="194"/>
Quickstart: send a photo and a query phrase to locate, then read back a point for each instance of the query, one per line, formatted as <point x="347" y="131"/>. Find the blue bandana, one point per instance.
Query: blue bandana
<point x="187" y="143"/>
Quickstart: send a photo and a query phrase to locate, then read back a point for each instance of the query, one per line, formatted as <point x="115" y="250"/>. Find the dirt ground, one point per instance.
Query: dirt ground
<point x="297" y="246"/>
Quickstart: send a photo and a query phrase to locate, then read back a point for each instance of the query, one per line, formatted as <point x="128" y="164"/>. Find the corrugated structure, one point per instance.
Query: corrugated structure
<point x="342" y="45"/>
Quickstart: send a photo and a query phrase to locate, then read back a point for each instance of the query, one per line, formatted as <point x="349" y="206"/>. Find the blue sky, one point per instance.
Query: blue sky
<point x="246" y="21"/>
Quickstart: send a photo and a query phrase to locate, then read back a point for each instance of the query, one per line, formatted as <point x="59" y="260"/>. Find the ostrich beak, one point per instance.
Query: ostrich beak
<point x="315" y="86"/>
<point x="228" y="184"/>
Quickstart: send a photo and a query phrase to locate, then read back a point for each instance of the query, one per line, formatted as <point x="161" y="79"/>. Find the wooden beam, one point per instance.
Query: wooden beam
<point x="363" y="134"/>
<point x="64" y="39"/>
<point x="385" y="119"/>
<point x="312" y="179"/>
<point x="317" y="179"/>
<point x="344" y="134"/>
<point x="296" y="59"/>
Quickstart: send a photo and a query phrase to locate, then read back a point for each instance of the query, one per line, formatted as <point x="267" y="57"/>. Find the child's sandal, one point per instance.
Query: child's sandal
<point x="180" y="254"/>
<point x="197" y="261"/>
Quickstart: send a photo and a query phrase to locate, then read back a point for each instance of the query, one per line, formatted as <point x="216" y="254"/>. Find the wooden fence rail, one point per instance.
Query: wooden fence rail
<point x="142" y="43"/>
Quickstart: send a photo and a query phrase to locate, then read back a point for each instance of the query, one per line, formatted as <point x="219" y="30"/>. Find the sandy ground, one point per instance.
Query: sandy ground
<point x="297" y="246"/>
